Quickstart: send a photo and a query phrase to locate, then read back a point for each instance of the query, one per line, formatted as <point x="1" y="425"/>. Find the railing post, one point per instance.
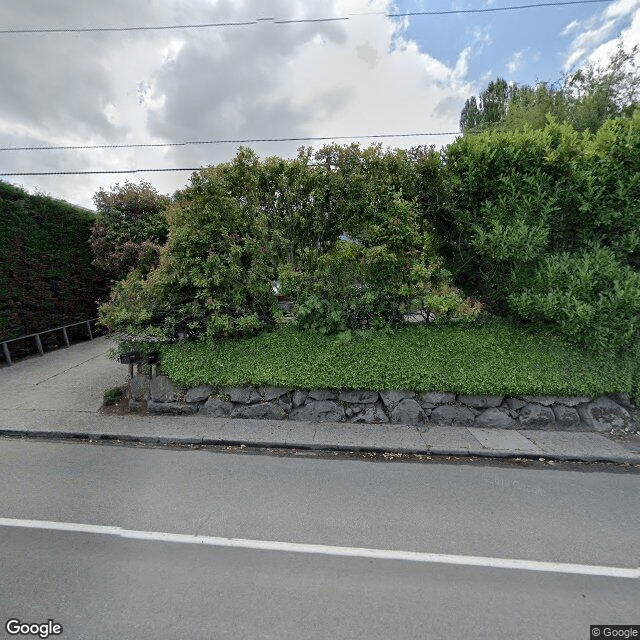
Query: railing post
<point x="66" y="337"/>
<point x="39" y="344"/>
<point x="89" y="328"/>
<point x="5" y="348"/>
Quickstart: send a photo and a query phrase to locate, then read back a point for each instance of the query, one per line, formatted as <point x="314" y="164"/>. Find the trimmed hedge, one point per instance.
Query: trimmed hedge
<point x="545" y="227"/>
<point x="46" y="275"/>
<point x="493" y="358"/>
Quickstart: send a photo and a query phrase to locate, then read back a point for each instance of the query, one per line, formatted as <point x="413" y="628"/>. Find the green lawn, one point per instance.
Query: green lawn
<point x="489" y="358"/>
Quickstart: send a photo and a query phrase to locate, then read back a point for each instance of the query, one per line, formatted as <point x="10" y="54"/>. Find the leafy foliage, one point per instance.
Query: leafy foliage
<point x="215" y="272"/>
<point x="46" y="275"/>
<point x="510" y="201"/>
<point x="387" y="265"/>
<point x="356" y="287"/>
<point x="111" y="395"/>
<point x="498" y="215"/>
<point x="609" y="189"/>
<point x="494" y="358"/>
<point x="240" y="227"/>
<point x="130" y="228"/>
<point x="596" y="94"/>
<point x="489" y="109"/>
<point x="589" y="296"/>
<point x="585" y="99"/>
<point x="546" y="227"/>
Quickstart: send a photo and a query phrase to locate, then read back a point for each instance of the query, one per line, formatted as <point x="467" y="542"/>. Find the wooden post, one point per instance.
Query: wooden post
<point x="5" y="348"/>
<point x="89" y="328"/>
<point x="66" y="337"/>
<point x="39" y="344"/>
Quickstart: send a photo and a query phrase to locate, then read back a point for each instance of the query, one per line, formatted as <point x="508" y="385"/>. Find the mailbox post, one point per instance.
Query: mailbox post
<point x="130" y="358"/>
<point x="153" y="358"/>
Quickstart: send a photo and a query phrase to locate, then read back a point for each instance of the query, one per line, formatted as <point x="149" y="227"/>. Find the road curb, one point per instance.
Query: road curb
<point x="56" y="435"/>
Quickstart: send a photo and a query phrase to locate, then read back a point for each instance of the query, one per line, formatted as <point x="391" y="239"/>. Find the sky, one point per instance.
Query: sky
<point x="369" y="74"/>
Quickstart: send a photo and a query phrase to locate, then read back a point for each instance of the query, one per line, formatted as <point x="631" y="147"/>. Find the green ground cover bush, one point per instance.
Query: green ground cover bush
<point x="490" y="358"/>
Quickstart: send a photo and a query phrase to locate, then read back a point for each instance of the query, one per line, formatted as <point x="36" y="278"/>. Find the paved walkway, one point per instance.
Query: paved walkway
<point x="59" y="395"/>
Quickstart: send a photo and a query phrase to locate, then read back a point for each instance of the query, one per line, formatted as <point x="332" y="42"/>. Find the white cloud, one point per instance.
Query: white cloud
<point x="597" y="38"/>
<point x="266" y="80"/>
<point x="515" y="61"/>
<point x="621" y="8"/>
<point x="628" y="37"/>
<point x="587" y="41"/>
<point x="462" y="65"/>
<point x="482" y="37"/>
<point x="572" y="26"/>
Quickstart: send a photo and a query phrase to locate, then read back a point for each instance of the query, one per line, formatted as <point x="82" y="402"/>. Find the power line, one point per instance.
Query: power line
<point x="207" y="25"/>
<point x="202" y="142"/>
<point x="83" y="173"/>
<point x="291" y="21"/>
<point x="114" y="171"/>
<point x="519" y="6"/>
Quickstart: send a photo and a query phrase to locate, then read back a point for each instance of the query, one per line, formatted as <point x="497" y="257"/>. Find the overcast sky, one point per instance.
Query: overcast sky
<point x="369" y="74"/>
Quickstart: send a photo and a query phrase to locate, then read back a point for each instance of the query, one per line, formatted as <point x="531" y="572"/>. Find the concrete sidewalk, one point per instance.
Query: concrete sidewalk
<point x="59" y="396"/>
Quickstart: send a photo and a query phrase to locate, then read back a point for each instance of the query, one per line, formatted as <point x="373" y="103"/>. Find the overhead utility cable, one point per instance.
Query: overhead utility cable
<point x="84" y="173"/>
<point x="107" y="171"/>
<point x="490" y="9"/>
<point x="244" y="23"/>
<point x="196" y="142"/>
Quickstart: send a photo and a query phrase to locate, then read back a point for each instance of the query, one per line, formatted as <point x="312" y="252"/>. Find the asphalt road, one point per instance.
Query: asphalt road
<point x="98" y="584"/>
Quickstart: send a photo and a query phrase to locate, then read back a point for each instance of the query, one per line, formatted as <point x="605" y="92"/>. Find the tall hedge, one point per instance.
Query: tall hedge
<point x="542" y="226"/>
<point x="241" y="227"/>
<point x="546" y="227"/>
<point x="46" y="275"/>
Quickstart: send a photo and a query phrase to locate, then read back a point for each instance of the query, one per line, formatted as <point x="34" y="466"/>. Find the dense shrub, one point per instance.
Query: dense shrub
<point x="546" y="227"/>
<point x="501" y="215"/>
<point x="590" y="297"/>
<point x="300" y="211"/>
<point x="388" y="265"/>
<point x="363" y="186"/>
<point x="609" y="190"/>
<point x="241" y="227"/>
<point x="355" y="287"/>
<point x="130" y="228"/>
<point x="46" y="275"/>
<point x="512" y="200"/>
<point x="215" y="271"/>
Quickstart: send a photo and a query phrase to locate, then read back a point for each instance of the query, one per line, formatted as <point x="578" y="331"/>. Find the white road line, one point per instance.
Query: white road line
<point x="354" y="552"/>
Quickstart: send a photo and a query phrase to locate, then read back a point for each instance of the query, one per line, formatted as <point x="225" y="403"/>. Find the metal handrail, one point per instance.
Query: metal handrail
<point x="37" y="335"/>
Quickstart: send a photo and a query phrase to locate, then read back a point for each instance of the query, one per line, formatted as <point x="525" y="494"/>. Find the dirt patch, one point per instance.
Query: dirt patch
<point x="120" y="406"/>
<point x="630" y="440"/>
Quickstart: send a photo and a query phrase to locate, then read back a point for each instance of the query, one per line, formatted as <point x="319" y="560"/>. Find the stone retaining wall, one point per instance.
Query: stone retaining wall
<point x="398" y="407"/>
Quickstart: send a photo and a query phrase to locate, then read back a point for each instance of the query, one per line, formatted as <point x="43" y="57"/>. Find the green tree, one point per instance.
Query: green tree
<point x="595" y="94"/>
<point x="239" y="227"/>
<point x="215" y="272"/>
<point x="130" y="228"/>
<point x="546" y="229"/>
<point x="471" y="117"/>
<point x="584" y="99"/>
<point x="490" y="109"/>
<point x="533" y="107"/>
